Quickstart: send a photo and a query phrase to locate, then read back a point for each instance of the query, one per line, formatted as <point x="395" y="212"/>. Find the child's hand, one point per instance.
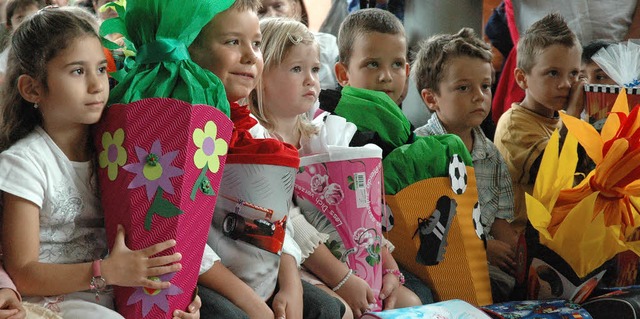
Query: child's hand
<point x="288" y="304"/>
<point x="10" y="306"/>
<point x="501" y="254"/>
<point x="388" y="293"/>
<point x="358" y="295"/>
<point x="132" y="268"/>
<point x="194" y="310"/>
<point x="575" y="104"/>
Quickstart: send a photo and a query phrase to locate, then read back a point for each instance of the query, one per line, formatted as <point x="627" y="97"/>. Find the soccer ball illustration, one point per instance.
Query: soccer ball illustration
<point x="457" y="174"/>
<point x="387" y="219"/>
<point x="477" y="224"/>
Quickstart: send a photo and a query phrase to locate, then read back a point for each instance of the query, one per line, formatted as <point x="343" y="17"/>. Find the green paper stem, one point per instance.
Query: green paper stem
<point x="198" y="182"/>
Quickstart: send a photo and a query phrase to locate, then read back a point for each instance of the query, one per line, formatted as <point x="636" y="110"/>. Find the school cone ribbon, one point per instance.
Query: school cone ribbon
<point x="162" y="144"/>
<point x="590" y="223"/>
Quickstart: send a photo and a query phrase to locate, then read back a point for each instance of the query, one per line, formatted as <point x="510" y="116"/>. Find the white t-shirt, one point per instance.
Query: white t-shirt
<point x="328" y="45"/>
<point x="71" y="221"/>
<point x="588" y="19"/>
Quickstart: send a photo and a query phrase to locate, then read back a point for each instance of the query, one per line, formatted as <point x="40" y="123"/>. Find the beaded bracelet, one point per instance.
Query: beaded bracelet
<point x="396" y="273"/>
<point x="343" y="281"/>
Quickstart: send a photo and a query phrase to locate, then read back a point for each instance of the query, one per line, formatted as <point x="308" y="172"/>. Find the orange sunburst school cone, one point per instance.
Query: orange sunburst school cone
<point x="589" y="224"/>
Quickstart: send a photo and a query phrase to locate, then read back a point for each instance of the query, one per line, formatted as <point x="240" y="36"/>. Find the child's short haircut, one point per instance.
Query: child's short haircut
<point x="550" y="30"/>
<point x="239" y="5"/>
<point x="590" y="49"/>
<point x="246" y="5"/>
<point x="434" y="54"/>
<point x="15" y="5"/>
<point x="362" y="22"/>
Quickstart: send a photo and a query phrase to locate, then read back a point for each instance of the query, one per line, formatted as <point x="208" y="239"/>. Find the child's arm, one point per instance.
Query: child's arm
<point x="355" y="291"/>
<point x="224" y="282"/>
<point x="501" y="249"/>
<point x="287" y="303"/>
<point x="124" y="267"/>
<point x="10" y="306"/>
<point x="390" y="282"/>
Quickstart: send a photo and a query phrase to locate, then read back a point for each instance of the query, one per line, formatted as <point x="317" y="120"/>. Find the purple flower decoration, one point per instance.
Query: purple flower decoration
<point x="153" y="169"/>
<point x="158" y="297"/>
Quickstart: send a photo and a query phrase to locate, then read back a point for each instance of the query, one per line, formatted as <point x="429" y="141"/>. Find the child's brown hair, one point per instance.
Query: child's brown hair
<point x="362" y="22"/>
<point x="551" y="29"/>
<point x="433" y="55"/>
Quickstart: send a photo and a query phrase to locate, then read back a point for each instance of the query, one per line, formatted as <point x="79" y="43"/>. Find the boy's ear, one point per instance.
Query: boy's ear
<point x="342" y="74"/>
<point x="30" y="88"/>
<point x="520" y="78"/>
<point x="430" y="99"/>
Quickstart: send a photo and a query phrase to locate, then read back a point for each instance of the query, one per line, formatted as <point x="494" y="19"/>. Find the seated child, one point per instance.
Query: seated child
<point x="547" y="69"/>
<point x="229" y="46"/>
<point x="17" y="11"/>
<point x="453" y="74"/>
<point x="591" y="70"/>
<point x="54" y="240"/>
<point x="326" y="42"/>
<point x="373" y="47"/>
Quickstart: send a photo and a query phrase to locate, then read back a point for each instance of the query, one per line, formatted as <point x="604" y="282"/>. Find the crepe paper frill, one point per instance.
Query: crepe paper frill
<point x="425" y="158"/>
<point x="413" y="158"/>
<point x="589" y="224"/>
<point x="159" y="32"/>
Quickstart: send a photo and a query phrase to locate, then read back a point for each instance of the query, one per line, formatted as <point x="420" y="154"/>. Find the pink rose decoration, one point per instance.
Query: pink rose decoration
<point x="319" y="183"/>
<point x="333" y="194"/>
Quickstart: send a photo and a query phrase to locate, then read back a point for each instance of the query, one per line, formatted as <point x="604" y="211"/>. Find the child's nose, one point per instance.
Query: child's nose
<point x="385" y="75"/>
<point x="96" y="83"/>
<point x="249" y="55"/>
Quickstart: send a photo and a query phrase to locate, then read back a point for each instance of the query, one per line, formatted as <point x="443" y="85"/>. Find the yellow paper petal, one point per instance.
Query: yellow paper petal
<point x="586" y="134"/>
<point x="612" y="123"/>
<point x="578" y="236"/>
<point x="548" y="170"/>
<point x="538" y="216"/>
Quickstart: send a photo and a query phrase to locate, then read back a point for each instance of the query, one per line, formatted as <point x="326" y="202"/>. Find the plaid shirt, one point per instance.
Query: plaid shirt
<point x="495" y="192"/>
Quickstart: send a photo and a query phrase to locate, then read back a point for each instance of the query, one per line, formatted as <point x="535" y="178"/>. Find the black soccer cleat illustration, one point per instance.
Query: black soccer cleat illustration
<point x="433" y="232"/>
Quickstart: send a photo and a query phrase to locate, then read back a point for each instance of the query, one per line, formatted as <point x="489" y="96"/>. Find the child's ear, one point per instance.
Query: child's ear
<point x="520" y="77"/>
<point x="30" y="88"/>
<point x="430" y="99"/>
<point x="342" y="73"/>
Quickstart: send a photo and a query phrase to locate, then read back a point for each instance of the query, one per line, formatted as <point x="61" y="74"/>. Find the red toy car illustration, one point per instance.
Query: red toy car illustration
<point x="260" y="232"/>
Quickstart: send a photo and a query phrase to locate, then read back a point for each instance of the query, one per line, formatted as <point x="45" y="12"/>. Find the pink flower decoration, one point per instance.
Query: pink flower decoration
<point x="153" y="169"/>
<point x="333" y="194"/>
<point x="319" y="183"/>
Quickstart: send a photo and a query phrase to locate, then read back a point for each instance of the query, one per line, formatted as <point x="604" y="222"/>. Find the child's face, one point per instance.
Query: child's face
<point x="378" y="62"/>
<point x="464" y="97"/>
<point x="78" y="85"/>
<point x="291" y="88"/>
<point x="231" y="50"/>
<point x="555" y="71"/>
<point x="277" y="8"/>
<point x="595" y="75"/>
<point x="20" y="14"/>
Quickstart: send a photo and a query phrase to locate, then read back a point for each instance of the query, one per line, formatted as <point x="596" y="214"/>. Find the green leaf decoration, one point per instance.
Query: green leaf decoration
<point x="352" y="185"/>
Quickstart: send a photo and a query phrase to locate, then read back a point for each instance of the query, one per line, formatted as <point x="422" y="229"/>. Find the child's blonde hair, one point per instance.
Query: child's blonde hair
<point x="551" y="29"/>
<point x="362" y="22"/>
<point x="434" y="54"/>
<point x="279" y="35"/>
<point x="246" y="5"/>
